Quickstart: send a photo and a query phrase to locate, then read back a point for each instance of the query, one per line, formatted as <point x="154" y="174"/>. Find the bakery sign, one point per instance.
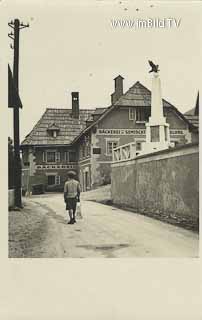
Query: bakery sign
<point x="135" y="132"/>
<point x="59" y="166"/>
<point x="112" y="132"/>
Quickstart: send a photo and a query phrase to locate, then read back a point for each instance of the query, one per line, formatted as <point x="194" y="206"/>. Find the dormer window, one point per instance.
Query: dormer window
<point x="54" y="133"/>
<point x="53" y="130"/>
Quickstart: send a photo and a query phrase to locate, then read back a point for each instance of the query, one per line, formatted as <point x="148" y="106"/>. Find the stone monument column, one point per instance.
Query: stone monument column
<point x="157" y="130"/>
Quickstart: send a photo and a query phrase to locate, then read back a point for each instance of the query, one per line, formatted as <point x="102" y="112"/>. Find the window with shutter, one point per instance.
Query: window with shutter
<point x="57" y="180"/>
<point x="51" y="180"/>
<point x="110" y="146"/>
<point x="51" y="156"/>
<point x="44" y="156"/>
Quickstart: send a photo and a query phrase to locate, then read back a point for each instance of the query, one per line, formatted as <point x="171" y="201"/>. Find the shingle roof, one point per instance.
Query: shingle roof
<point x="190" y="112"/>
<point x="69" y="127"/>
<point x="193" y="114"/>
<point x="138" y="96"/>
<point x="99" y="111"/>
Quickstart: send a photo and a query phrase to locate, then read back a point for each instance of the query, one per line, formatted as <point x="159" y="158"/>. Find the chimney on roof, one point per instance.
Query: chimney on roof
<point x="118" y="92"/>
<point x="75" y="105"/>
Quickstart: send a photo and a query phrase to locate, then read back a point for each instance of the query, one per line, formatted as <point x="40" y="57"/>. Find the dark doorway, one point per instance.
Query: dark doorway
<point x="86" y="181"/>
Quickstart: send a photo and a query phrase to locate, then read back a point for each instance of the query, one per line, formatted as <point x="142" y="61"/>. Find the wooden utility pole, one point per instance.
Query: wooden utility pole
<point x="16" y="25"/>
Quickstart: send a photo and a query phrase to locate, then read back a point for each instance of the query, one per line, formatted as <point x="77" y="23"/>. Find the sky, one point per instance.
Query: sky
<point x="72" y="46"/>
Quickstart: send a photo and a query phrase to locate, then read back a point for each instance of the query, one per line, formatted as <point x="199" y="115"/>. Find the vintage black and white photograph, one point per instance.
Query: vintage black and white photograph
<point x="103" y="118"/>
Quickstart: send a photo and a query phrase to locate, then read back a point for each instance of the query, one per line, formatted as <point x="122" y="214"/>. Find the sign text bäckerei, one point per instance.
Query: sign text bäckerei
<point x="134" y="132"/>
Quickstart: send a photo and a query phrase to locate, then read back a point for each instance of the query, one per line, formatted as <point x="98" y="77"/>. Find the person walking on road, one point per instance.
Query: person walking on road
<point x="71" y="195"/>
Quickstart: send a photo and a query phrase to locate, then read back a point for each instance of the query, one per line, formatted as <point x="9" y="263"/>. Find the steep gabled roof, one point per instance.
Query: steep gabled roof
<point x="194" y="111"/>
<point x="138" y="96"/>
<point x="99" y="111"/>
<point x="193" y="114"/>
<point x="70" y="129"/>
<point x="104" y="114"/>
<point x="61" y="119"/>
<point x="190" y="112"/>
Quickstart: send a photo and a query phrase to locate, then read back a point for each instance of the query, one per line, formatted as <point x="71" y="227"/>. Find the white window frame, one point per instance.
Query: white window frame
<point x="57" y="156"/>
<point x="116" y="140"/>
<point x="132" y="113"/>
<point x="50" y="151"/>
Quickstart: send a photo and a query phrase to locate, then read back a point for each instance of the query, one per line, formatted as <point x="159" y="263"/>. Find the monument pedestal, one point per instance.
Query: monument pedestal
<point x="157" y="138"/>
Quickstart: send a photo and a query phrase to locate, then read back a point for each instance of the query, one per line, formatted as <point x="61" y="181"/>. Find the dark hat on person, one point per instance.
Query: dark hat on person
<point x="71" y="174"/>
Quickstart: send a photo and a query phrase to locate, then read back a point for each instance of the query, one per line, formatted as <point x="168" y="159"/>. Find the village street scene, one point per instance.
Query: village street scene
<point x="103" y="232"/>
<point x="113" y="172"/>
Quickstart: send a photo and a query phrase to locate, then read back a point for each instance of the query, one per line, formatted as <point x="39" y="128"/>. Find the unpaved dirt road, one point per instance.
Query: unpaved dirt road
<point x="104" y="231"/>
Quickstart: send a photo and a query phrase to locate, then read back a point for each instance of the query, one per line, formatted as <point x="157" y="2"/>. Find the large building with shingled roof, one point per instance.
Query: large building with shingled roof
<point x="83" y="139"/>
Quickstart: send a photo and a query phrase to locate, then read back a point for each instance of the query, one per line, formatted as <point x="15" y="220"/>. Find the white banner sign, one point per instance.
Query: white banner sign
<point x="136" y="132"/>
<point x="121" y="132"/>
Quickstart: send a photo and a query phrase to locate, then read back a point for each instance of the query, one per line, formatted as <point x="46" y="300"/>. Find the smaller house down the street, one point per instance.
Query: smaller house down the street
<point x="83" y="139"/>
<point x="47" y="151"/>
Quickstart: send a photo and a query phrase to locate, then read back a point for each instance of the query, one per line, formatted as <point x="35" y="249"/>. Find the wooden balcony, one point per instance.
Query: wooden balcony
<point x="125" y="152"/>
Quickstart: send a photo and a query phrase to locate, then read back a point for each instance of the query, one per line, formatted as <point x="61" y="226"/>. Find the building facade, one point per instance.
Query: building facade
<point x="83" y="140"/>
<point x="47" y="152"/>
<point x="122" y="123"/>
